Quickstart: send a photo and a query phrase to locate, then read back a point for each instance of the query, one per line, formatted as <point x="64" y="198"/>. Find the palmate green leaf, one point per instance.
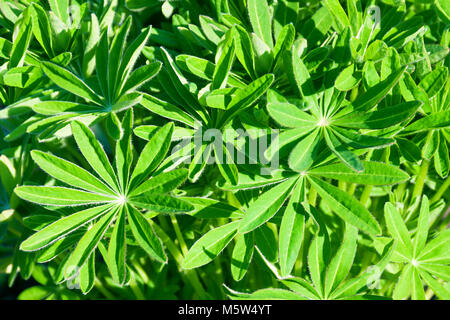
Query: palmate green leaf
<point x="289" y="115"/>
<point x="261" y="21"/>
<point x="242" y="255"/>
<point x="346" y="207"/>
<point x="304" y="153"/>
<point x="87" y="245"/>
<point x="266" y="206"/>
<point x="117" y="248"/>
<point x="60" y="196"/>
<point x="375" y="173"/>
<point x="94" y="153"/>
<point x="69" y="173"/>
<point x="380" y="119"/>
<point x="292" y="230"/>
<point x="340" y="265"/>
<point x="70" y="82"/>
<point x="209" y="246"/>
<point x="62" y="227"/>
<point x="149" y="159"/>
<point x="398" y="229"/>
<point x="145" y="235"/>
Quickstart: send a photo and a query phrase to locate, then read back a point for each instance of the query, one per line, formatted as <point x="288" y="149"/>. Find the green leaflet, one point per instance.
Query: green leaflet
<point x="292" y="230"/>
<point x="144" y="234"/>
<point x="94" y="153"/>
<point x="381" y="119"/>
<point x="304" y="153"/>
<point x="266" y="206"/>
<point x="342" y="261"/>
<point x="160" y="203"/>
<point x="60" y="228"/>
<point x="346" y="207"/>
<point x="290" y="116"/>
<point x="70" y="82"/>
<point x="375" y="173"/>
<point x="149" y="159"/>
<point x="260" y="18"/>
<point x="342" y="152"/>
<point x="397" y="228"/>
<point x="60" y="196"/>
<point x="242" y="255"/>
<point x="117" y="248"/>
<point x="433" y="121"/>
<point x="340" y="20"/>
<point x="205" y="249"/>
<point x="68" y="172"/>
<point x="87" y="245"/>
<point x="371" y="97"/>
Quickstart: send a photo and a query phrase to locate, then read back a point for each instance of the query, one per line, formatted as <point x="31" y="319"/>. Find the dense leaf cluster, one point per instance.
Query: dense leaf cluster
<point x="128" y="167"/>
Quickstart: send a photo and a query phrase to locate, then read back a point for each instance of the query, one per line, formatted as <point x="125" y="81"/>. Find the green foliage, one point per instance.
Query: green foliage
<point x="242" y="149"/>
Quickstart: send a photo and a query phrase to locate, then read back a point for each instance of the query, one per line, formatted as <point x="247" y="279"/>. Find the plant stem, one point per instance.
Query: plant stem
<point x="420" y="179"/>
<point x="135" y="288"/>
<point x="351" y="189"/>
<point x="366" y="194"/>
<point x="191" y="275"/>
<point x="179" y="235"/>
<point x="440" y="192"/>
<point x="108" y="295"/>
